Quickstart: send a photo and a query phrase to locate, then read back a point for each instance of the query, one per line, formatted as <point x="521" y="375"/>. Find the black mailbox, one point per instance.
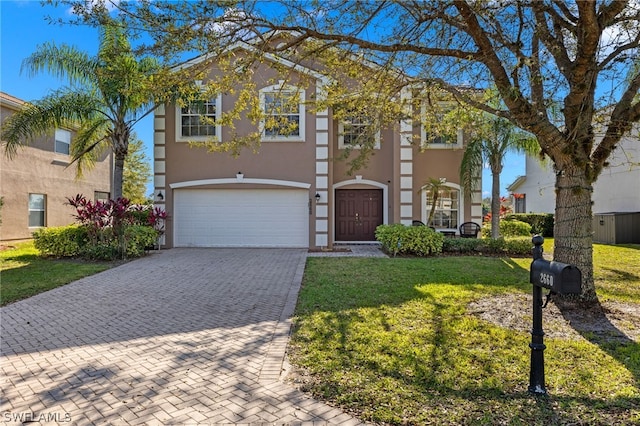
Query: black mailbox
<point x="558" y="277"/>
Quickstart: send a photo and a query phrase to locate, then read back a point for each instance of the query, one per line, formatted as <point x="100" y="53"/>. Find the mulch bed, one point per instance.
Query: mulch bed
<point x="607" y="322"/>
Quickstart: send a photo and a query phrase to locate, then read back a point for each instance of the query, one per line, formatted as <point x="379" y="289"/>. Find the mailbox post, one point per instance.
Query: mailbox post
<point x="559" y="278"/>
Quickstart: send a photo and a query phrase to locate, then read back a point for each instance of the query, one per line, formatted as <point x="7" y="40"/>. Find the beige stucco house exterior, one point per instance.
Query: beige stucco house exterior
<point x="296" y="191"/>
<point x="35" y="184"/>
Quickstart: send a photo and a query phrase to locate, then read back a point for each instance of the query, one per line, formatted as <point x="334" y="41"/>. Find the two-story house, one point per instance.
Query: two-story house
<point x="35" y="184"/>
<point x="297" y="190"/>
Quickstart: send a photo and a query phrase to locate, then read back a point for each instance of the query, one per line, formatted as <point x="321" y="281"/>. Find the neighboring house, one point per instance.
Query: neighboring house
<point x="296" y="192"/>
<point x="616" y="190"/>
<point x="616" y="193"/>
<point x="36" y="182"/>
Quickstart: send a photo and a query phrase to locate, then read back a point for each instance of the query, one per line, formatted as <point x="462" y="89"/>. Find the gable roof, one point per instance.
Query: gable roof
<point x="250" y="48"/>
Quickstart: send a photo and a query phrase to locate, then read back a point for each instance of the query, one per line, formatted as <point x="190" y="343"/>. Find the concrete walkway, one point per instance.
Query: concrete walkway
<point x="183" y="336"/>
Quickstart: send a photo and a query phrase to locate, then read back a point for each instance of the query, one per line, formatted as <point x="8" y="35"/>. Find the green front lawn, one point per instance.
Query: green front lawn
<point x="23" y="273"/>
<point x="390" y="340"/>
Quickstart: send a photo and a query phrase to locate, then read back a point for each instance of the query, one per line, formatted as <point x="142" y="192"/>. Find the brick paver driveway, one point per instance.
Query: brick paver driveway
<point x="182" y="336"/>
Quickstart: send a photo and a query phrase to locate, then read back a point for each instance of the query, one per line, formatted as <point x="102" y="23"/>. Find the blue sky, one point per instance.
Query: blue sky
<point x="23" y="27"/>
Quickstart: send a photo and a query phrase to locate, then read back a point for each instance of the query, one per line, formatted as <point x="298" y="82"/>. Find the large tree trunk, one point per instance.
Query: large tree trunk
<point x="118" y="174"/>
<point x="495" y="204"/>
<point x="573" y="229"/>
<point x="120" y="144"/>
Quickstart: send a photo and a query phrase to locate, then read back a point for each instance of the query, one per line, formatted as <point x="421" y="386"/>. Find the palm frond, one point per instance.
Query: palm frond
<point x="62" y="61"/>
<point x="471" y="164"/>
<point x="63" y="108"/>
<point x="89" y="143"/>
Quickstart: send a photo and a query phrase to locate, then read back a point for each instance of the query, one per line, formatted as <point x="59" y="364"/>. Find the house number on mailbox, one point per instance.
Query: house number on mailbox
<point x="546" y="279"/>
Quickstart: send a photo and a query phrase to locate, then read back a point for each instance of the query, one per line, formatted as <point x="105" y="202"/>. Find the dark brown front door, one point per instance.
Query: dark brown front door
<point x="358" y="213"/>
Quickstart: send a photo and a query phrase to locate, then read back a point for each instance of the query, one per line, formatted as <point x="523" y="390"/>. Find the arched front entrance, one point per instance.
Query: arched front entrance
<point x="360" y="206"/>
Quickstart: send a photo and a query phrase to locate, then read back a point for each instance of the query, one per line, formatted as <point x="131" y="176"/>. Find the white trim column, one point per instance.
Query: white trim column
<point x="322" y="173"/>
<point x="406" y="160"/>
<point x="476" y="201"/>
<point x="159" y="161"/>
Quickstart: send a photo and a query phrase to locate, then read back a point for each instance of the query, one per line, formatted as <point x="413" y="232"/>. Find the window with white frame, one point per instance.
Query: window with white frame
<point x="199" y="120"/>
<point x="37" y="210"/>
<point x="356" y="130"/>
<point x="63" y="141"/>
<point x="438" y="141"/>
<point x="284" y="113"/>
<point x="446" y="212"/>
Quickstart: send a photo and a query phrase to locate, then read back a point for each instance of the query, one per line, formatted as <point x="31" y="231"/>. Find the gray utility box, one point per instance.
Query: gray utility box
<point x="616" y="228"/>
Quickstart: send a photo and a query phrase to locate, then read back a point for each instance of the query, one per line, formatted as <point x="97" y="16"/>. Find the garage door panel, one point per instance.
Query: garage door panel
<point x="230" y="218"/>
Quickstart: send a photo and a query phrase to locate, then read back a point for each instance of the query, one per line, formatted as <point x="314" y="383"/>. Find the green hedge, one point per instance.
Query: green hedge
<point x="424" y="241"/>
<point x="412" y="240"/>
<point x="541" y="223"/>
<point x="73" y="241"/>
<point x="508" y="228"/>
<point x="62" y="241"/>
<point x="514" y="246"/>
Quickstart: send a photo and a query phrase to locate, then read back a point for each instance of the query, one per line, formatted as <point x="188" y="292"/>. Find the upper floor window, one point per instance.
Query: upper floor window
<point x="438" y="139"/>
<point x="37" y="210"/>
<point x="283" y="113"/>
<point x="442" y="209"/>
<point x="198" y="120"/>
<point x="356" y="130"/>
<point x="63" y="141"/>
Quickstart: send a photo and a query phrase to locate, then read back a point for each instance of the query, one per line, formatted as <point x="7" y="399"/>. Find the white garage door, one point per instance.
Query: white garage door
<point x="241" y="218"/>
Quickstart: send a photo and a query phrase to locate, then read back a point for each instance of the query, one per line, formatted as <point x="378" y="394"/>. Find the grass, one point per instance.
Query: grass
<point x="390" y="340"/>
<point x="23" y="273"/>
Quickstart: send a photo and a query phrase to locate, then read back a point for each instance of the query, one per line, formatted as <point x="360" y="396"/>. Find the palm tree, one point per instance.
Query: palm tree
<point x="106" y="96"/>
<point x="434" y="186"/>
<point x="493" y="139"/>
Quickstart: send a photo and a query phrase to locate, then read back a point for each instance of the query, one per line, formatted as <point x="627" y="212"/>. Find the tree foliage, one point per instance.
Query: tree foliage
<point x="137" y="172"/>
<point x="105" y="97"/>
<point x="575" y="58"/>
<point x="491" y="139"/>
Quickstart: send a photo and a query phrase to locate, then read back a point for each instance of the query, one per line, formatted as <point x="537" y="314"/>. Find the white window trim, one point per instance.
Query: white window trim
<point x="423" y="135"/>
<point x="425" y="211"/>
<point x="342" y="145"/>
<point x="281" y="87"/>
<point x="217" y="137"/>
<point x="44" y="210"/>
<point x="63" y="136"/>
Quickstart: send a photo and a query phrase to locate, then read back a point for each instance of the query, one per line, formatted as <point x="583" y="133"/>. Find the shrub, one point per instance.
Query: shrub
<point x="492" y="245"/>
<point x="62" y="241"/>
<point x="461" y="245"/>
<point x="514" y="228"/>
<point x="115" y="228"/>
<point x="421" y="241"/>
<point x="135" y="241"/>
<point x="541" y="223"/>
<point x="516" y="246"/>
<point x="138" y="238"/>
<point x="390" y="236"/>
<point x="101" y="250"/>
<point x="508" y="228"/>
<point x="414" y="240"/>
<point x="519" y="246"/>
